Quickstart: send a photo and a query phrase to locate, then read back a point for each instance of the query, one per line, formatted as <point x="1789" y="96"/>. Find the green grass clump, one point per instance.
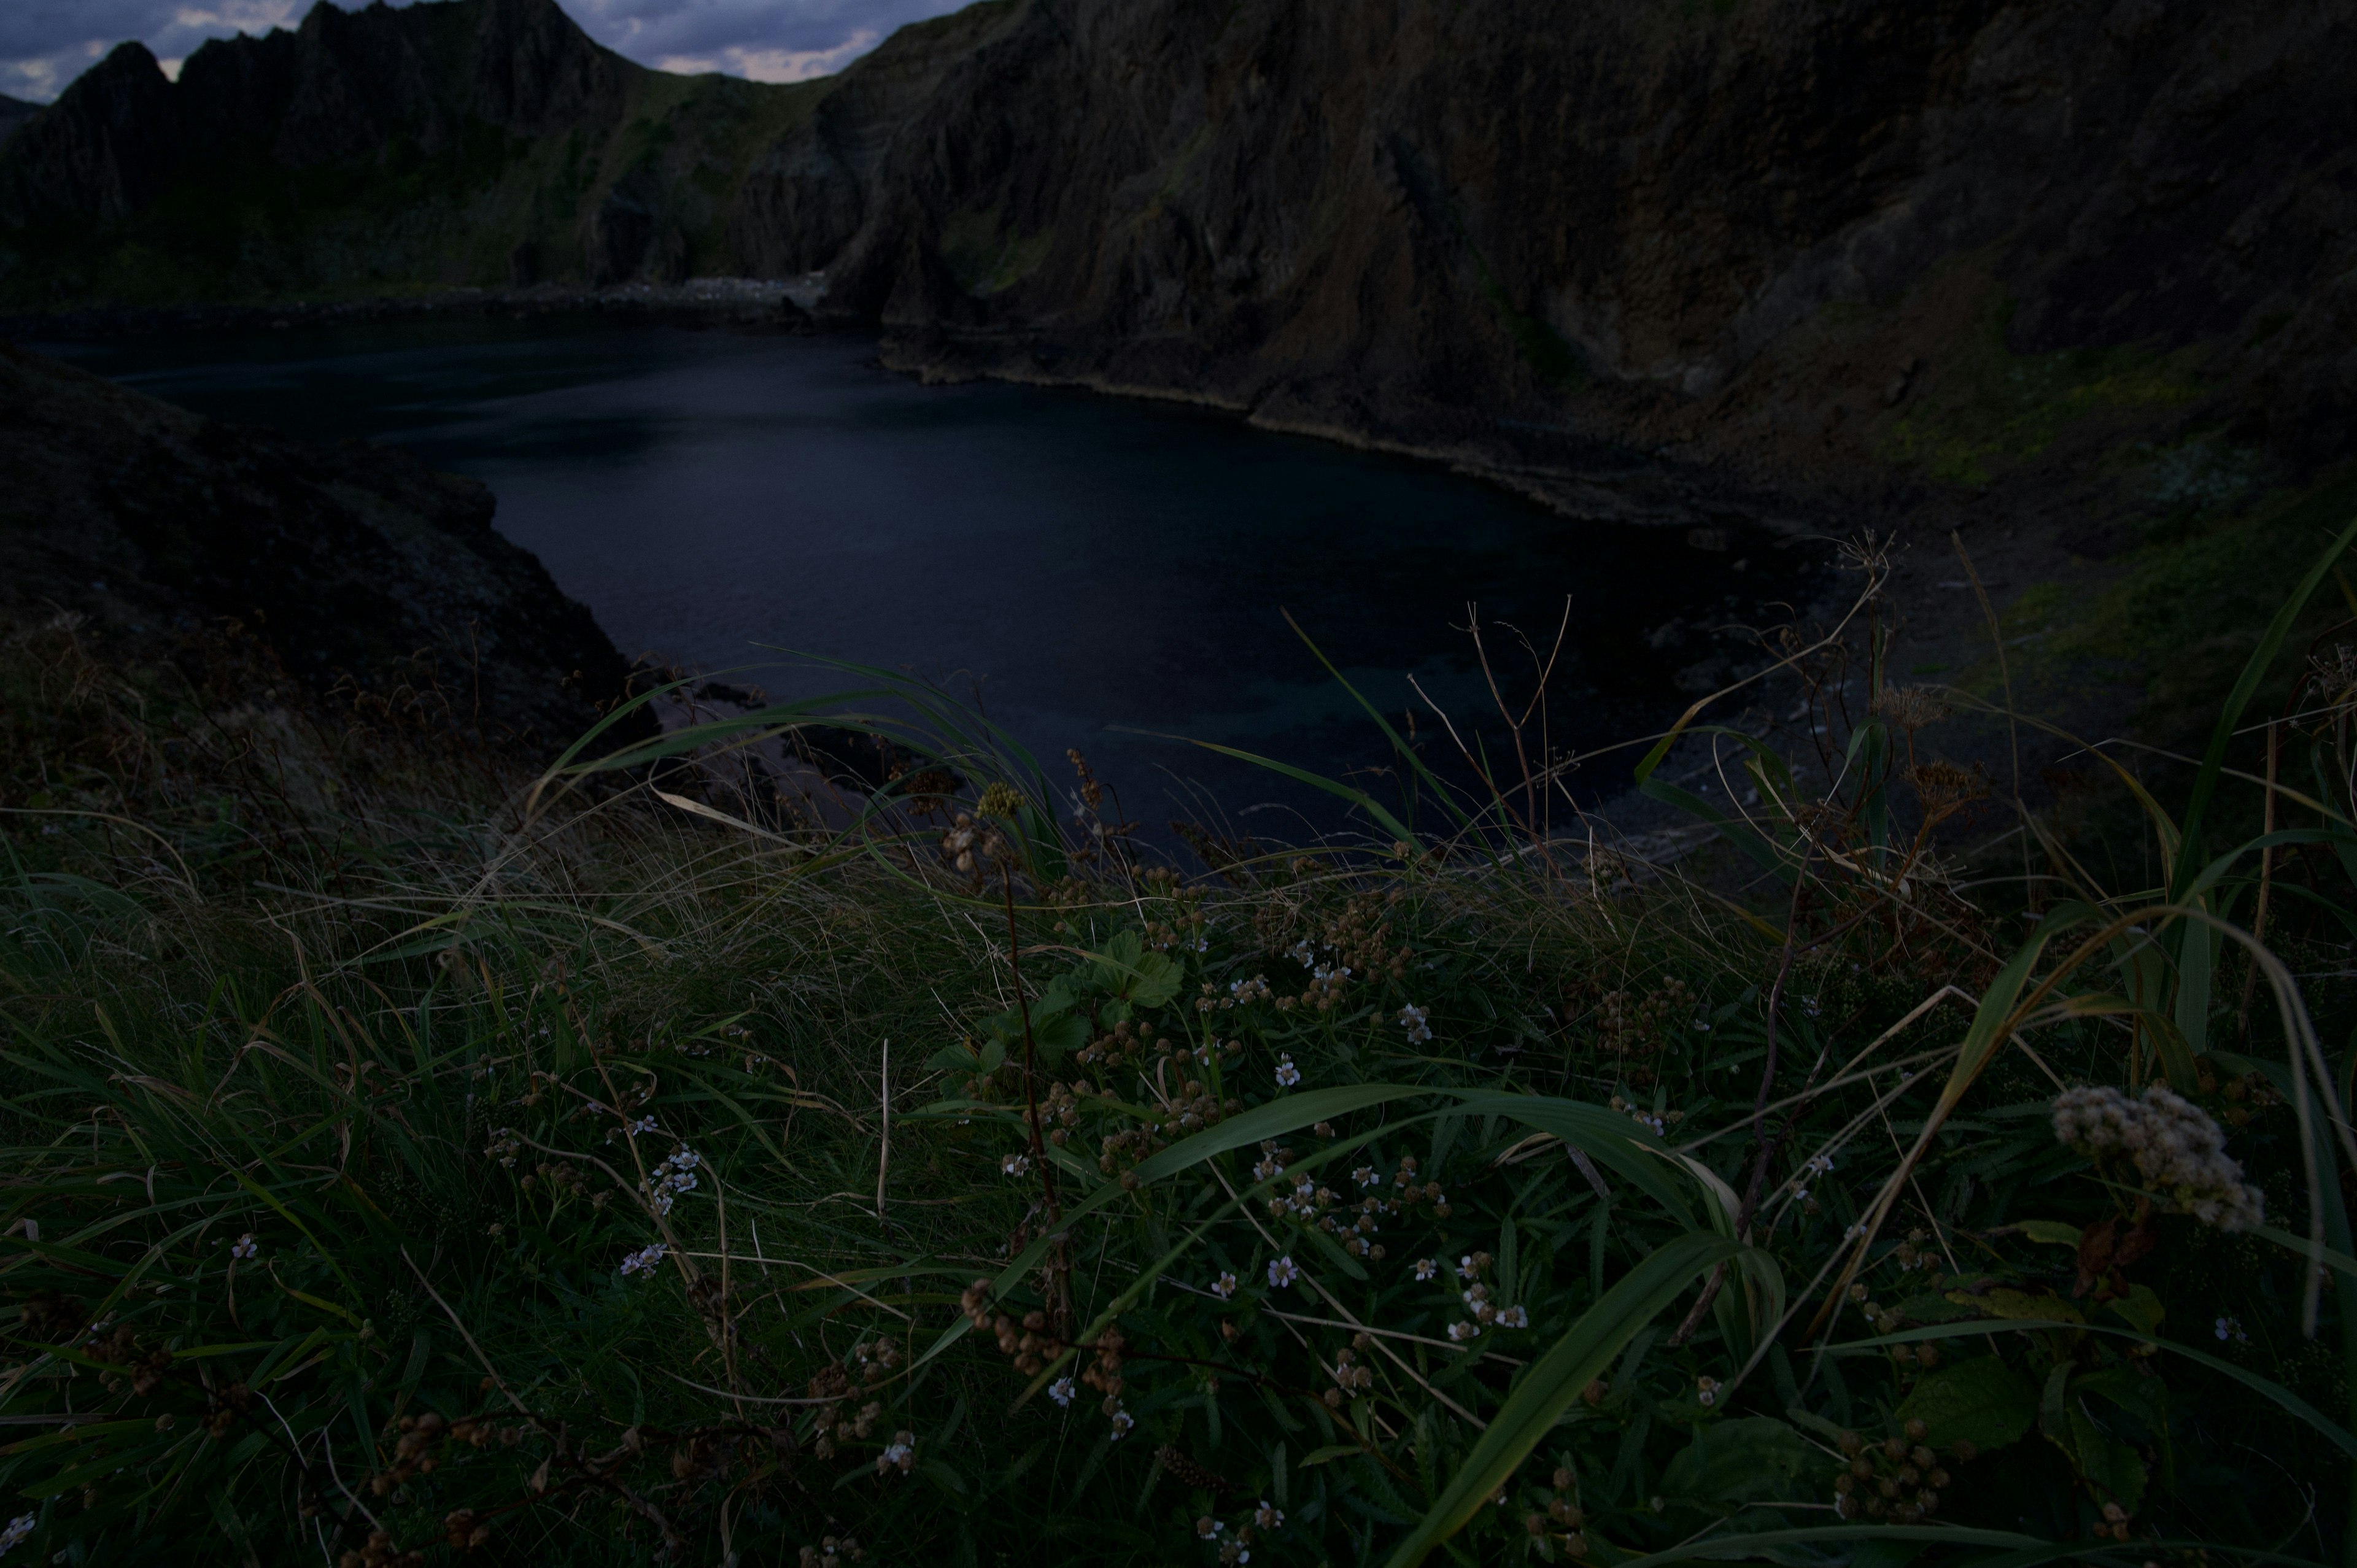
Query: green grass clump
<point x="405" y="1162"/>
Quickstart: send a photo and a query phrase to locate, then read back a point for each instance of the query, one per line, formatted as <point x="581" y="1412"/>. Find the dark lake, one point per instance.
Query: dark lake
<point x="1089" y="565"/>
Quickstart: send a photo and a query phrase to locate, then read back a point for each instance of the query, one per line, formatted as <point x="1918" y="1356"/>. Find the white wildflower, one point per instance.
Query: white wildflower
<point x="1463" y="1331"/>
<point x="22" y="1526"/>
<point x="1282" y="1272"/>
<point x="1122" y="1421"/>
<point x="1515" y="1317"/>
<point x="2177" y="1151"/>
<point x="644" y="1260"/>
<point x="246" y="1246"/>
<point x="1287" y="1075"/>
<point x="1015" y="1165"/>
<point x="1425" y="1268"/>
<point x="1413" y="1019"/>
<point x="900" y="1453"/>
<point x="1224" y="1286"/>
<point x="1061" y="1391"/>
<point x="1268" y="1516"/>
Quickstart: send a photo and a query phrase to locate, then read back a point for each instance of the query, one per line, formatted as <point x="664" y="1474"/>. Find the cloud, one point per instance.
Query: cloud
<point x="44" y="44"/>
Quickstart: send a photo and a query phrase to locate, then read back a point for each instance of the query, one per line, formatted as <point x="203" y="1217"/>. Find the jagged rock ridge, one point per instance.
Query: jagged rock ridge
<point x="357" y="565"/>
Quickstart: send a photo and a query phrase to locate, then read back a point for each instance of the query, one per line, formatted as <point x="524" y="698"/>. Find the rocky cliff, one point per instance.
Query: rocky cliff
<point x="1923" y="245"/>
<point x="1952" y="236"/>
<point x="359" y="568"/>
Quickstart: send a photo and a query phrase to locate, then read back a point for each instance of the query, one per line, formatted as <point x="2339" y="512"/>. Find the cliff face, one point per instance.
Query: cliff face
<point x="1832" y="237"/>
<point x="468" y="141"/>
<point x="356" y="565"/>
<point x="13" y="112"/>
<point x="1937" y="233"/>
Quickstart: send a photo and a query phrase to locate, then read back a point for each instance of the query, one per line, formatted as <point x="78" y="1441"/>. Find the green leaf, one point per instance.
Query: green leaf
<point x="1126" y="970"/>
<point x="1982" y="1402"/>
<point x="1749" y="1460"/>
<point x="2052" y="1232"/>
<point x="1544" y="1392"/>
<point x="2332" y="1432"/>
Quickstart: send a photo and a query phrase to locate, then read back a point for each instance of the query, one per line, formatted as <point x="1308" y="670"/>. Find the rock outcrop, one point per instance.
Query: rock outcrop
<point x="358" y="566"/>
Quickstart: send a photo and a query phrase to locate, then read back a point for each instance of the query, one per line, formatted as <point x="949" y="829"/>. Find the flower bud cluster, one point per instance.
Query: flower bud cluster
<point x="965" y="837"/>
<point x="562" y="1179"/>
<point x="2177" y="1150"/>
<point x="144" y="1370"/>
<point x="414" y="1453"/>
<point x="1555" y="1526"/>
<point x="1351" y="1376"/>
<point x="1898" y="1479"/>
<point x="833" y="1552"/>
<point x="1241" y="993"/>
<point x="1481" y="1312"/>
<point x="829" y="1426"/>
<point x="379" y="1553"/>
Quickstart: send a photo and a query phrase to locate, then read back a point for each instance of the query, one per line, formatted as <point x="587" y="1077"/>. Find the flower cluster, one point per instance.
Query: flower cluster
<point x="1414" y="1020"/>
<point x="1562" y="1516"/>
<point x="1027" y="1340"/>
<point x="1353" y="1225"/>
<point x="1898" y="1479"/>
<point x="18" y="1527"/>
<point x="832" y="1552"/>
<point x="1482" y="1313"/>
<point x="1350" y="1376"/>
<point x="674" y="1176"/>
<point x="2177" y="1151"/>
<point x="644" y="1260"/>
<point x="1640" y="1027"/>
<point x="900" y="1454"/>
<point x="504" y="1147"/>
<point x="832" y="1387"/>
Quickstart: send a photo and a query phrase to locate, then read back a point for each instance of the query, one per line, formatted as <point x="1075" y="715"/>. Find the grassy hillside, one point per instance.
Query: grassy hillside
<point x="409" y="1162"/>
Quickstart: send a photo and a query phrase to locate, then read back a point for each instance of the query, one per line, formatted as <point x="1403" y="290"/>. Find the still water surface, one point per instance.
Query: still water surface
<point x="1092" y="565"/>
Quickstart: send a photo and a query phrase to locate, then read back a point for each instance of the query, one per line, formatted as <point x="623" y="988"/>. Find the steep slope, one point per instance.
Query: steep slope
<point x="472" y="142"/>
<point x="1943" y="235"/>
<point x="357" y="565"/>
<point x="13" y="113"/>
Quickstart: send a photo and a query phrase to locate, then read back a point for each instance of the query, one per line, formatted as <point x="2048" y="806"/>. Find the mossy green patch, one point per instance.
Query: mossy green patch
<point x="985" y="255"/>
<point x="1988" y="409"/>
<point x="2189" y="610"/>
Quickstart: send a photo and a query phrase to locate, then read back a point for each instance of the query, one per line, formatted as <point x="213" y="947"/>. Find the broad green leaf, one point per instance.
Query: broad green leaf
<point x="1982" y="1402"/>
<point x="1547" y="1387"/>
<point x="2265" y="1387"/>
<point x="1747" y="1460"/>
<point x="2052" y="1232"/>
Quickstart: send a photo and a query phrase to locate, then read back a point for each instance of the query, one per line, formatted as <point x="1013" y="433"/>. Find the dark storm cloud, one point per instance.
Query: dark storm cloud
<point x="44" y="44"/>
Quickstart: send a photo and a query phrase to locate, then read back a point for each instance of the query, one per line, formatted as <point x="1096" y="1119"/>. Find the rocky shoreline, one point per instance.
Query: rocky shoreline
<point x="750" y="305"/>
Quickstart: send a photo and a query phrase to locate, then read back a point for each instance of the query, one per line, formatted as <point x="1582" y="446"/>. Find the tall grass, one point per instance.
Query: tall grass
<point x="613" y="1168"/>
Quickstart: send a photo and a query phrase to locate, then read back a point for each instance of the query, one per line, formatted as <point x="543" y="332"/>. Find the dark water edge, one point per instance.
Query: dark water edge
<point x="1084" y="567"/>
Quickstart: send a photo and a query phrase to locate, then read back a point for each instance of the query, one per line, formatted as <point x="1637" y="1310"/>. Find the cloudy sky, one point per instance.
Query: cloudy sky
<point x="44" y="44"/>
